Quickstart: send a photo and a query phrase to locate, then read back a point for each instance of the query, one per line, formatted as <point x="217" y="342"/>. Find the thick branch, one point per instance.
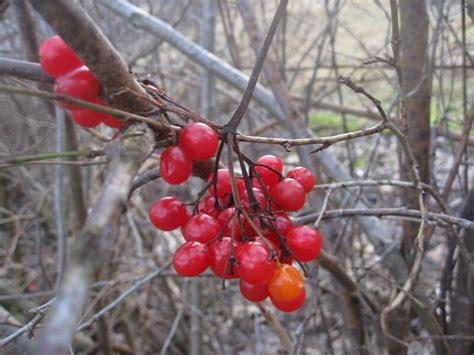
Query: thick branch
<point x="23" y="70"/>
<point x="91" y="247"/>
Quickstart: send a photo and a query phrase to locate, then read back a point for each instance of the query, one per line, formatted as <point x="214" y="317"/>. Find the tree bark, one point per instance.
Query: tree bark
<point x="415" y="121"/>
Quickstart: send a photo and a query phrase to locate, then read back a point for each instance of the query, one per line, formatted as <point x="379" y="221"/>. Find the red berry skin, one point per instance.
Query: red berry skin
<point x="208" y="205"/>
<point x="288" y="194"/>
<point x="240" y="183"/>
<point x="253" y="293"/>
<point x="175" y="167"/>
<point x="168" y="214"/>
<point x="304" y="242"/>
<point x="225" y="216"/>
<point x="255" y="264"/>
<point x="191" y="259"/>
<point x="283" y="223"/>
<point x="256" y="183"/>
<point x="80" y="84"/>
<point x="112" y="122"/>
<point x="221" y="265"/>
<point x="201" y="228"/>
<point x="259" y="196"/>
<point x="268" y="176"/>
<point x="223" y="183"/>
<point x="56" y="58"/>
<point x="87" y="118"/>
<point x="232" y="222"/>
<point x="289" y="306"/>
<point x="198" y="141"/>
<point x="303" y="176"/>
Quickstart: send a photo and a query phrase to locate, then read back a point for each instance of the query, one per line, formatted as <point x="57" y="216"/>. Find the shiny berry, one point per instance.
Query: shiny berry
<point x="282" y="223"/>
<point x="229" y="222"/>
<point x="223" y="183"/>
<point x="289" y="306"/>
<point x="256" y="267"/>
<point x="303" y="176"/>
<point x="259" y="197"/>
<point x="288" y="194"/>
<point x="80" y="84"/>
<point x="87" y="118"/>
<point x="56" y="58"/>
<point x="286" y="283"/>
<point x="268" y="176"/>
<point x="253" y="293"/>
<point x="201" y="228"/>
<point x="112" y="122"/>
<point x="256" y="183"/>
<point x="198" y="141"/>
<point x="175" y="167"/>
<point x="222" y="266"/>
<point x="168" y="214"/>
<point x="191" y="259"/>
<point x="240" y="183"/>
<point x="304" y="242"/>
<point x="208" y="205"/>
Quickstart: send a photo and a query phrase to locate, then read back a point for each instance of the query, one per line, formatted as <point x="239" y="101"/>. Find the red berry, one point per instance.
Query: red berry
<point x="254" y="293"/>
<point x="80" y="84"/>
<point x="255" y="264"/>
<point x="198" y="141"/>
<point x="304" y="242"/>
<point x="226" y="217"/>
<point x="106" y="119"/>
<point x="56" y="58"/>
<point x="223" y="183"/>
<point x="175" y="167"/>
<point x="268" y="176"/>
<point x="288" y="194"/>
<point x="112" y="122"/>
<point x="303" y="176"/>
<point x="168" y="213"/>
<point x="87" y="118"/>
<point x="191" y="259"/>
<point x="240" y="183"/>
<point x="222" y="266"/>
<point x="283" y="224"/>
<point x="259" y="196"/>
<point x="208" y="205"/>
<point x="256" y="183"/>
<point x="201" y="228"/>
<point x="289" y="306"/>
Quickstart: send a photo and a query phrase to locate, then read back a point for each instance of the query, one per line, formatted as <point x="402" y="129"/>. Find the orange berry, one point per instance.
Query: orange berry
<point x="286" y="283"/>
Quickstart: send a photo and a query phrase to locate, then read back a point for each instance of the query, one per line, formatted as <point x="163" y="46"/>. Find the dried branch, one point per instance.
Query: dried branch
<point x="23" y="70"/>
<point x="439" y="219"/>
<point x="27" y="328"/>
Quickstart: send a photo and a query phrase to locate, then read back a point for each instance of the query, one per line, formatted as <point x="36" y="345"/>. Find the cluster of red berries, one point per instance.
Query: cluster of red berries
<point x="74" y="79"/>
<point x="252" y="240"/>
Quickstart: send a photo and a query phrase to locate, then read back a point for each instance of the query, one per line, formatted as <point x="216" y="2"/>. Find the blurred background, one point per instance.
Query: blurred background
<point x="44" y="199"/>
